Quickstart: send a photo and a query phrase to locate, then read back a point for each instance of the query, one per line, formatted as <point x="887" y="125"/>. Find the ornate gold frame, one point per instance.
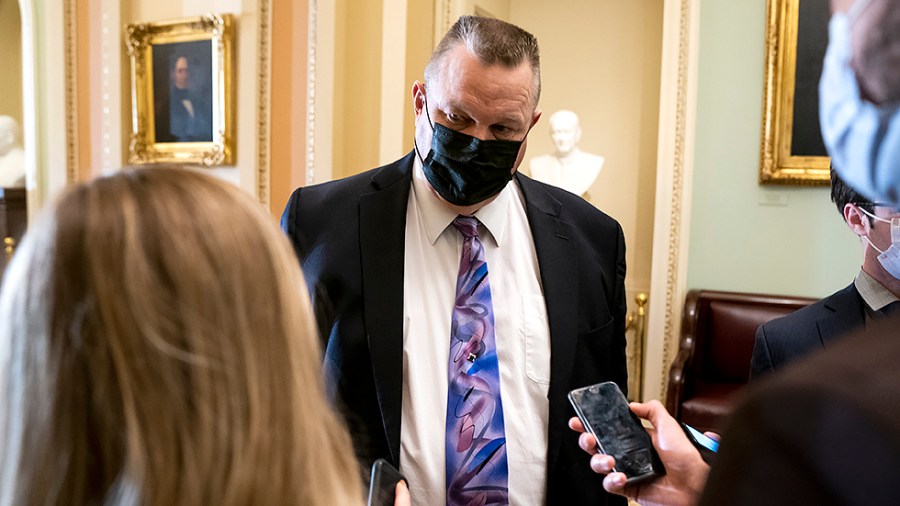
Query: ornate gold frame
<point x="139" y="40"/>
<point x="777" y="165"/>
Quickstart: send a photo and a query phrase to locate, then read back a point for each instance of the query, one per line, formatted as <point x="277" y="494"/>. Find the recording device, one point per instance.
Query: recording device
<point x="706" y="445"/>
<point x="383" y="483"/>
<point x="603" y="410"/>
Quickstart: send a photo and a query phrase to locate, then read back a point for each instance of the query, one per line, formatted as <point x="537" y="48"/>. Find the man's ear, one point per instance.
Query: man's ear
<point x="858" y="222"/>
<point x="535" y="116"/>
<point x="418" y="96"/>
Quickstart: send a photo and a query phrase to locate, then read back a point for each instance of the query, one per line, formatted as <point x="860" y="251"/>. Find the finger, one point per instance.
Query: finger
<point x="587" y="442"/>
<point x="603" y="464"/>
<point x="401" y="494"/>
<point x="655" y="412"/>
<point x="713" y="435"/>
<point x="576" y="425"/>
<point x="614" y="483"/>
<point x="641" y="409"/>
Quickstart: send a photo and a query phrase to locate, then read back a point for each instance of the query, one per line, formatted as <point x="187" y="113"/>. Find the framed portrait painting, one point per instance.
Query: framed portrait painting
<point x="182" y="105"/>
<point x="796" y="39"/>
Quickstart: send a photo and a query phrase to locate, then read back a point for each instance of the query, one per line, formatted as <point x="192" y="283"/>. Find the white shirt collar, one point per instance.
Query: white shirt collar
<point x="436" y="216"/>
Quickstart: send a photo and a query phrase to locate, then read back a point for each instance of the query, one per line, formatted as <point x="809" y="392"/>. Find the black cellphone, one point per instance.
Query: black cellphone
<point x="707" y="446"/>
<point x="603" y="410"/>
<point x="383" y="483"/>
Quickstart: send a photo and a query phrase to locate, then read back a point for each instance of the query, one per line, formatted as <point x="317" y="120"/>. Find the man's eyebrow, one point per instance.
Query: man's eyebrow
<point x="515" y="120"/>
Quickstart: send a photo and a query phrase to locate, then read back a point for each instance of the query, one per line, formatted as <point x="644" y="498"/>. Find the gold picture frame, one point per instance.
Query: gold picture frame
<point x="182" y="105"/>
<point x="790" y="105"/>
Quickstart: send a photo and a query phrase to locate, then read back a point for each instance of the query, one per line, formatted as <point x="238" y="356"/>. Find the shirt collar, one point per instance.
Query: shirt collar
<point x="436" y="216"/>
<point x="874" y="294"/>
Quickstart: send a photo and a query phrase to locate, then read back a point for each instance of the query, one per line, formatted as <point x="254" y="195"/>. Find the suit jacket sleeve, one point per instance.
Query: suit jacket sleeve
<point x="287" y="216"/>
<point x="620" y="309"/>
<point x="322" y="307"/>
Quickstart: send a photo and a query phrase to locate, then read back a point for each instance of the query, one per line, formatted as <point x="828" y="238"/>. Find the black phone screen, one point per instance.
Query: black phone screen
<point x="604" y="412"/>
<point x="383" y="483"/>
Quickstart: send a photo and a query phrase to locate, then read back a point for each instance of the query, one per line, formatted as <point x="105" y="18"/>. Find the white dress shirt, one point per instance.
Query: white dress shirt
<point x="432" y="254"/>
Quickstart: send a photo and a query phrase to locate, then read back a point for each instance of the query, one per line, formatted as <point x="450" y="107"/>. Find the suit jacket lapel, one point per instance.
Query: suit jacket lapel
<point x="382" y="232"/>
<point x="848" y="315"/>
<point x="554" y="245"/>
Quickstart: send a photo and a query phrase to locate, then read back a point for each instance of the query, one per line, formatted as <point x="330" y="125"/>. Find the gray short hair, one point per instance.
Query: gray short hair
<point x="494" y="42"/>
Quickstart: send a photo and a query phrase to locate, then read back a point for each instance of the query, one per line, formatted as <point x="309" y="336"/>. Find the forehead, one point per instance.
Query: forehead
<point x="464" y="81"/>
<point x="181" y="63"/>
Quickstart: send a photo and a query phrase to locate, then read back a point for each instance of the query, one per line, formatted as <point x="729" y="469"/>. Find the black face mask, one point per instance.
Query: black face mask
<point x="465" y="170"/>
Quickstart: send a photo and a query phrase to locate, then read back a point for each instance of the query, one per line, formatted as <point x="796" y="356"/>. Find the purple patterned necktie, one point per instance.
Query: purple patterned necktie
<point x="477" y="470"/>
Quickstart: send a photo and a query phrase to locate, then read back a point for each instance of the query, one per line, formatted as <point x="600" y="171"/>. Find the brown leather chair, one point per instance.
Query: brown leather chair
<point x="713" y="361"/>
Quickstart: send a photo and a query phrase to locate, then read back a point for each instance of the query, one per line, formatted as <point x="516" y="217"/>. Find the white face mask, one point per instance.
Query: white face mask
<point x="863" y="139"/>
<point x="889" y="258"/>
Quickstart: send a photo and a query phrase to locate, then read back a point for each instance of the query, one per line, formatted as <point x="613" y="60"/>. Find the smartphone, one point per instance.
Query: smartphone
<point x="603" y="410"/>
<point x="705" y="444"/>
<point x="383" y="483"/>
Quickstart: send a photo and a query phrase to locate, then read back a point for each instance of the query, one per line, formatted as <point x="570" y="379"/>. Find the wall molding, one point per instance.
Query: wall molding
<point x="264" y="103"/>
<point x="71" y="69"/>
<point x="312" y="31"/>
<point x="29" y="106"/>
<point x="674" y="177"/>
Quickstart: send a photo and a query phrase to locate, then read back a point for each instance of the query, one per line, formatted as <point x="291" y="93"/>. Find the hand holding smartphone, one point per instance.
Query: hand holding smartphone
<point x="604" y="411"/>
<point x="383" y="483"/>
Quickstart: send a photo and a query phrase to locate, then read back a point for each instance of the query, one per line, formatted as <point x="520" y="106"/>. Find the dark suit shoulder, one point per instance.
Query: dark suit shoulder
<point x="335" y="200"/>
<point x="790" y="337"/>
<point x="338" y="192"/>
<point x="803" y="320"/>
<point x="574" y="205"/>
<point x="589" y="221"/>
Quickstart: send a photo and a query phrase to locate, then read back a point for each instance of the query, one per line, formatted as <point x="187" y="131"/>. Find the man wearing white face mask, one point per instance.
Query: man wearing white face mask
<point x="872" y="295"/>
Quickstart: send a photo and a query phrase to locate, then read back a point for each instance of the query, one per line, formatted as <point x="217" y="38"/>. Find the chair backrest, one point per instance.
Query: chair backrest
<point x="724" y="328"/>
<point x="718" y="330"/>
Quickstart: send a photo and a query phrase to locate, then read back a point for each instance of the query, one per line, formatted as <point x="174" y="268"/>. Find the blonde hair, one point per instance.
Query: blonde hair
<point x="157" y="347"/>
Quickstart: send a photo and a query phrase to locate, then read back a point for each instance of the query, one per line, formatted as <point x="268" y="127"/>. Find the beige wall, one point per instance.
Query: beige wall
<point x="289" y="101"/>
<point x="419" y="44"/>
<point x="357" y="86"/>
<point x="11" y="56"/>
<point x="601" y="59"/>
<point x="360" y="124"/>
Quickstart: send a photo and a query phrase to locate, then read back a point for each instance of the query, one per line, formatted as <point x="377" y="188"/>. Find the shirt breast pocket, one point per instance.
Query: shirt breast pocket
<point x="537" y="339"/>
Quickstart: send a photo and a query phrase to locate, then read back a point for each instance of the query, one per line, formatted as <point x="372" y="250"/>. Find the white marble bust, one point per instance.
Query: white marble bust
<point x="12" y="158"/>
<point x="569" y="167"/>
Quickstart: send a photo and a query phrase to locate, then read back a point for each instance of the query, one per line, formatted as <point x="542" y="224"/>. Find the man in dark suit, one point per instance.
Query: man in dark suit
<point x="381" y="255"/>
<point x="871" y="294"/>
